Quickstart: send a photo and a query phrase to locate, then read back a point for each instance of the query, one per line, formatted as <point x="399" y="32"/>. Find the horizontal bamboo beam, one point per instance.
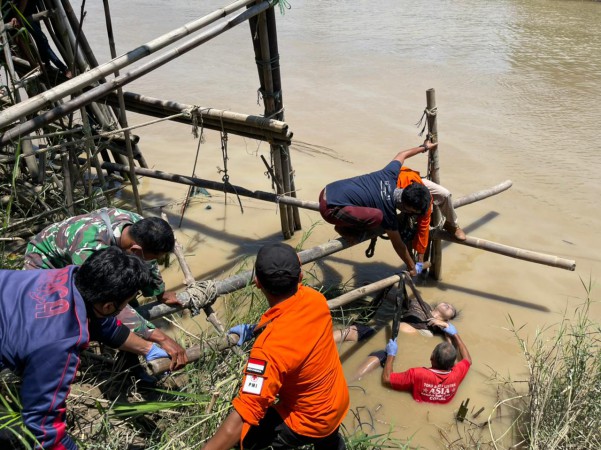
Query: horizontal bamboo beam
<point x="207" y="184"/>
<point x="154" y="310"/>
<point x="481" y="195"/>
<point x="253" y="127"/>
<point x="90" y="77"/>
<point x="172" y="107"/>
<point x="195" y="352"/>
<point x="506" y="250"/>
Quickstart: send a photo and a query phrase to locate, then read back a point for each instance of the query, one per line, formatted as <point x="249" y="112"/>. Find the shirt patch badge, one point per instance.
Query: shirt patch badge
<point x="252" y="384"/>
<point x="256" y="366"/>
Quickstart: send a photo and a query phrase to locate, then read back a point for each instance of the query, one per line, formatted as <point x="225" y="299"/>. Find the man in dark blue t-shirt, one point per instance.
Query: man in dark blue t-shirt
<point x="370" y="202"/>
<point x="47" y="317"/>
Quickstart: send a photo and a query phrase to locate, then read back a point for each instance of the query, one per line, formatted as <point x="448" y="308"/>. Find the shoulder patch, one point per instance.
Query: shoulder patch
<point x="256" y="366"/>
<point x="252" y="384"/>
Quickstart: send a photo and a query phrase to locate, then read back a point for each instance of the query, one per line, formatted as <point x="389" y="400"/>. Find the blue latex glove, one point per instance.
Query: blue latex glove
<point x="156" y="352"/>
<point x="391" y="347"/>
<point x="245" y="331"/>
<point x="450" y="329"/>
<point x="419" y="266"/>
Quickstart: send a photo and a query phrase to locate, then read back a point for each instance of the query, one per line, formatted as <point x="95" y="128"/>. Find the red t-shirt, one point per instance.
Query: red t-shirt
<point x="431" y="385"/>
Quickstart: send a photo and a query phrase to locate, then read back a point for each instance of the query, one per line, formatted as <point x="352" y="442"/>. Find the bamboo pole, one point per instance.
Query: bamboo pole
<point x="178" y="251"/>
<point x="269" y="196"/>
<point x="263" y="58"/>
<point x="100" y="91"/>
<point x="145" y="104"/>
<point x="85" y="79"/>
<point x="19" y="92"/>
<point x="506" y="250"/>
<point x="435" y="247"/>
<point x="195" y="352"/>
<point x="279" y="106"/>
<point x="122" y="116"/>
<point x="68" y="184"/>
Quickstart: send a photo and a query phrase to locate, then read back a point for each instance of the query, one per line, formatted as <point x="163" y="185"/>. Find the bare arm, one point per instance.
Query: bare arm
<point x="169" y="298"/>
<point x="178" y="354"/>
<point x="387" y="370"/>
<point x="135" y="344"/>
<point x="405" y="154"/>
<point x="461" y="348"/>
<point x="401" y="249"/>
<point x="228" y="433"/>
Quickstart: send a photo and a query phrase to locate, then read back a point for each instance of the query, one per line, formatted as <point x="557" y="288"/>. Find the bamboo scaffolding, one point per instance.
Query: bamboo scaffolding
<point x="102" y="90"/>
<point x="83" y="80"/>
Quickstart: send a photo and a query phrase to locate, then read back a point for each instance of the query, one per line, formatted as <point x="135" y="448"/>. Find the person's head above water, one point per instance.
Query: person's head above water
<point x="444" y="311"/>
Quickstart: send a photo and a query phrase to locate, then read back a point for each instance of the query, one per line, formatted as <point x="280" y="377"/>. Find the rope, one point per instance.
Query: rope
<point x="202" y="294"/>
<point x="226" y="177"/>
<point x="283" y="4"/>
<point x="426" y="114"/>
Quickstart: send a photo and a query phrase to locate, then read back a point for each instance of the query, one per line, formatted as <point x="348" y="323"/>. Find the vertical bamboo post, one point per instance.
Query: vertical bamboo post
<point x="68" y="187"/>
<point x="279" y="105"/>
<point x="122" y="117"/>
<point x="434" y="171"/>
<point x="19" y="93"/>
<point x="259" y="34"/>
<point x="189" y="280"/>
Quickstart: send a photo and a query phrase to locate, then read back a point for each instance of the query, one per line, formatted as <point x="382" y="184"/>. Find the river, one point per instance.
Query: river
<point x="518" y="94"/>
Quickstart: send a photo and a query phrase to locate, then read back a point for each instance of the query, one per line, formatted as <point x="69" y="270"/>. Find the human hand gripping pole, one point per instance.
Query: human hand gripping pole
<point x="391" y="347"/>
<point x="244" y="331"/>
<point x="156" y="352"/>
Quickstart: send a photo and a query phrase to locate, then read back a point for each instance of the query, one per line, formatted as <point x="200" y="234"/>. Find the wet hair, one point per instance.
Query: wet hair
<point x="111" y="275"/>
<point x="153" y="235"/>
<point x="417" y="196"/>
<point x="444" y="356"/>
<point x="456" y="312"/>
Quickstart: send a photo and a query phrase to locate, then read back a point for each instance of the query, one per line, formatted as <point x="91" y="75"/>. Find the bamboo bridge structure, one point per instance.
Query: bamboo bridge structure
<point x="71" y="135"/>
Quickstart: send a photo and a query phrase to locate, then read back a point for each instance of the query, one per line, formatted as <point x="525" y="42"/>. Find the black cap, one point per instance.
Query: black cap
<point x="277" y="267"/>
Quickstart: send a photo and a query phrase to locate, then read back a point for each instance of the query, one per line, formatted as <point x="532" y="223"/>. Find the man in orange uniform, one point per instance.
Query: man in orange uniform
<point x="294" y="359"/>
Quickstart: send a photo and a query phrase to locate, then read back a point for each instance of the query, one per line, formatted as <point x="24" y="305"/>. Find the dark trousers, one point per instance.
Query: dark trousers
<point x="351" y="218"/>
<point x="273" y="433"/>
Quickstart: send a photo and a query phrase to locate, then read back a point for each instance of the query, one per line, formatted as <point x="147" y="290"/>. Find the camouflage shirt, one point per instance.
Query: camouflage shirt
<point x="73" y="240"/>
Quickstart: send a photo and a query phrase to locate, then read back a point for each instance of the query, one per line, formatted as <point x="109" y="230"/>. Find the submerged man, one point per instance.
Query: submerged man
<point x="73" y="240"/>
<point x="438" y="383"/>
<point x="48" y="317"/>
<point x="294" y="360"/>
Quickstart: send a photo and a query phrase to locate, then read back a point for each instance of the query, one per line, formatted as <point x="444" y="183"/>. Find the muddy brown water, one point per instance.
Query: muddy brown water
<point x="518" y="92"/>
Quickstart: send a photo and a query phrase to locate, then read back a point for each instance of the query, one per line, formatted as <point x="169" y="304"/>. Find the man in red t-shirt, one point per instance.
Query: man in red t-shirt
<point x="437" y="384"/>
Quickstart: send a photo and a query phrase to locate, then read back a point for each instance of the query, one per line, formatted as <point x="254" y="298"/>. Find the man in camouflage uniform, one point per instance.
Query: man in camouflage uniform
<point x="73" y="240"/>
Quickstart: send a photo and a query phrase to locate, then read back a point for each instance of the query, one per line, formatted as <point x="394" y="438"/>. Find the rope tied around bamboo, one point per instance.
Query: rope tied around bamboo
<point x="428" y="113"/>
<point x="195" y="113"/>
<point x="199" y="295"/>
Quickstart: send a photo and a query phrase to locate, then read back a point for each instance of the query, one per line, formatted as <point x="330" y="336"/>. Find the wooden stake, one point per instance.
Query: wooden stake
<point x="435" y="247"/>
